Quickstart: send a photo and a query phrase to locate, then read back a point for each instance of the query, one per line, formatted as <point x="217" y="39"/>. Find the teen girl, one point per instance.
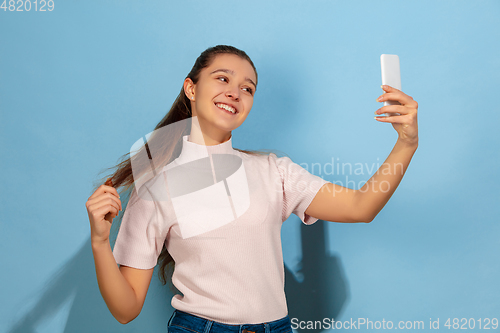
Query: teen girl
<point x="225" y="238"/>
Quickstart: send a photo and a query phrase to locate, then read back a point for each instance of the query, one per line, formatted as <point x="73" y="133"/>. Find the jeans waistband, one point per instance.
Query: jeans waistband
<point x="202" y="325"/>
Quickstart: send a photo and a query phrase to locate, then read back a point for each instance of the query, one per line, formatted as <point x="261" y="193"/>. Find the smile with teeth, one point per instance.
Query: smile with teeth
<point x="226" y="107"/>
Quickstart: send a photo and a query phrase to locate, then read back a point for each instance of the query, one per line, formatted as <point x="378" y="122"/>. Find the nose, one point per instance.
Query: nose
<point x="233" y="93"/>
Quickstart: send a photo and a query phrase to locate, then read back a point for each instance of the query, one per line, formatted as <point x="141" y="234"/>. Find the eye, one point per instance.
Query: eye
<point x="250" y="90"/>
<point x="222" y="77"/>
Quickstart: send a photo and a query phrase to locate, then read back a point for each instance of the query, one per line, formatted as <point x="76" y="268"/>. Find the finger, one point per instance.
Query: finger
<point x="108" y="207"/>
<point x="388" y="88"/>
<point x="114" y="198"/>
<point x="104" y="202"/>
<point x="102" y="197"/>
<point x="403" y="119"/>
<point x="104" y="189"/>
<point x="393" y="109"/>
<point x="399" y="96"/>
<point x="105" y="210"/>
<point x="110" y="189"/>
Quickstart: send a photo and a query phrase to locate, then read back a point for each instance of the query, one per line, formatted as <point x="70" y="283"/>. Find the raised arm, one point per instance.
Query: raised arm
<point x="340" y="204"/>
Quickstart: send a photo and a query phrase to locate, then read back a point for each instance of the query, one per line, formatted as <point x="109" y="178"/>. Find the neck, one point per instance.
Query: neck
<point x="207" y="136"/>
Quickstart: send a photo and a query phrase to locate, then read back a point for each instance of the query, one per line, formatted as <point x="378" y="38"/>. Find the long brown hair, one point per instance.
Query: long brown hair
<point x="180" y="110"/>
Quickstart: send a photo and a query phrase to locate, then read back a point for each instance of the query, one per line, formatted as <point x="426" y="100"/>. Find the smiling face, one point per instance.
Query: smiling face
<point x="223" y="96"/>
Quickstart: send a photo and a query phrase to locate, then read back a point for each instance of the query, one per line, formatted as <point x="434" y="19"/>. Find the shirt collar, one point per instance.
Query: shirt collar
<point x="192" y="151"/>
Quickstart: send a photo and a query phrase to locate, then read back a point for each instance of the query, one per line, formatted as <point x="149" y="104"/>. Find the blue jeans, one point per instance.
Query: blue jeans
<point x="183" y="322"/>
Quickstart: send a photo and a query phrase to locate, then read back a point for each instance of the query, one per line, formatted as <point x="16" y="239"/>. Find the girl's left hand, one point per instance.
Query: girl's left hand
<point x="406" y="122"/>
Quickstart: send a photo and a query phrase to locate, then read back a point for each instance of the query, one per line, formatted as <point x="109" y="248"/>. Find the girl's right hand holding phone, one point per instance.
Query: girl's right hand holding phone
<point x="102" y="206"/>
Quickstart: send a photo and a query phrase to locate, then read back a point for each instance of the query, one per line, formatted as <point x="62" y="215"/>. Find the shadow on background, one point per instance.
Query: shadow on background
<point x="88" y="311"/>
<point x="324" y="291"/>
<point x="321" y="294"/>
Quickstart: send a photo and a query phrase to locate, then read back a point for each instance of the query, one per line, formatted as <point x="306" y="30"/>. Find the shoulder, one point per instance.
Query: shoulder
<point x="266" y="157"/>
<point x="284" y="163"/>
<point x="271" y="163"/>
<point x="255" y="156"/>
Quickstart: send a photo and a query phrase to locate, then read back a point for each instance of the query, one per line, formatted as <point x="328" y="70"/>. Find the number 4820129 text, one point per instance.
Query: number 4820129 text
<point x="27" y="5"/>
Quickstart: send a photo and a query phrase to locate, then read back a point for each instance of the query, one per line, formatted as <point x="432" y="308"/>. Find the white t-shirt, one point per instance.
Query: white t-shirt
<point x="227" y="245"/>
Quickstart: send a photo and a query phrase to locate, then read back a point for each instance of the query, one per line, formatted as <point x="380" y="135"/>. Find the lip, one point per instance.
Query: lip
<point x="231" y="105"/>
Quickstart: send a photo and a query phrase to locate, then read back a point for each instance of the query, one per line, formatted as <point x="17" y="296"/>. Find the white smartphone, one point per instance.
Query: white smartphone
<point x="391" y="75"/>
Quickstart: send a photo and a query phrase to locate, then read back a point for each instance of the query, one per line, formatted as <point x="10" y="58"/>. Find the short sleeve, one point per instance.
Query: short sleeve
<point x="141" y="236"/>
<point x="299" y="189"/>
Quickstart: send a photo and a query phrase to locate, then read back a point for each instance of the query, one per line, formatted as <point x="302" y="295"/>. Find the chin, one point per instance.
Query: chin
<point x="226" y="128"/>
<point x="225" y="125"/>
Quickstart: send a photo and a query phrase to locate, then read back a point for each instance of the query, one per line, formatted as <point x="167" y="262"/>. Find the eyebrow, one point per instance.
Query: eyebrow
<point x="232" y="73"/>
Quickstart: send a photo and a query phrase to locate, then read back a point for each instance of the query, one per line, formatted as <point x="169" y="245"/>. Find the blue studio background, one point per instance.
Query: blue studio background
<point x="80" y="84"/>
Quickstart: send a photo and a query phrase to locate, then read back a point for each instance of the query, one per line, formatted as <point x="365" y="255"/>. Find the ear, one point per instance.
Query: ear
<point x="189" y="88"/>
